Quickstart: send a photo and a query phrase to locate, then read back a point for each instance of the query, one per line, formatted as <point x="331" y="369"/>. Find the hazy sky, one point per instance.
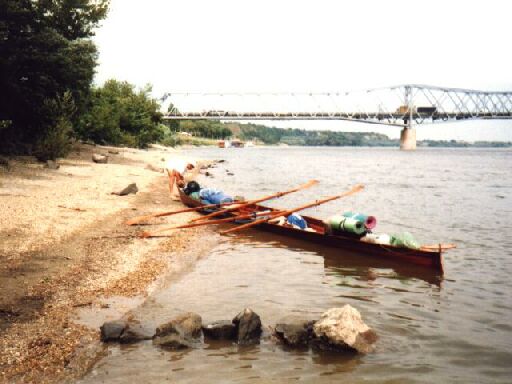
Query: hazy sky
<point x="283" y="45"/>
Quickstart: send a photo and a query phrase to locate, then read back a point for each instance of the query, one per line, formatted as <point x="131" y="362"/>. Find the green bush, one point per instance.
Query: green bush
<point x="171" y="141"/>
<point x="56" y="141"/>
<point x="118" y="114"/>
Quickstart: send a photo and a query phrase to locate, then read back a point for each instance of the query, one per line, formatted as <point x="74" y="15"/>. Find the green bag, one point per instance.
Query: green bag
<point x="404" y="240"/>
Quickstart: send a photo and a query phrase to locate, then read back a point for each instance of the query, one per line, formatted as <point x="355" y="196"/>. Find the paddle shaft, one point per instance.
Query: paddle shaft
<point x="356" y="189"/>
<point x="138" y="219"/>
<point x="256" y="201"/>
<point x="219" y="221"/>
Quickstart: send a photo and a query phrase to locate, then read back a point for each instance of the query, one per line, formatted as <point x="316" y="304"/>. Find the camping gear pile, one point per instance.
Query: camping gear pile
<point x="349" y="231"/>
<point x="361" y="225"/>
<point x="206" y="196"/>
<point x="351" y="223"/>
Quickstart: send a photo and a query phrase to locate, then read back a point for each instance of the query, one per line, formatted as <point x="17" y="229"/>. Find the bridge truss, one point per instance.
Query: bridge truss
<point x="398" y="105"/>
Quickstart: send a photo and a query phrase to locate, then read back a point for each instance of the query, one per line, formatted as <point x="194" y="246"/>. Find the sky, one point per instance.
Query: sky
<point x="313" y="46"/>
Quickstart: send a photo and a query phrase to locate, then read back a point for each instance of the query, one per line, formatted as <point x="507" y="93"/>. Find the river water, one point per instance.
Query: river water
<point x="454" y="328"/>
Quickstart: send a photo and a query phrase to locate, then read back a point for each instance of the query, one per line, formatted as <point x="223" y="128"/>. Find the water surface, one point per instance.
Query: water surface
<point x="454" y="328"/>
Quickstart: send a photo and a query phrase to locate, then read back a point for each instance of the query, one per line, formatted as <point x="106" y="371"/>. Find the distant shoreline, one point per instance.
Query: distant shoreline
<point x="420" y="145"/>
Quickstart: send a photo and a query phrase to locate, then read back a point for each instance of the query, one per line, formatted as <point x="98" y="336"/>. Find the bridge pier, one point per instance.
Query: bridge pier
<point x="408" y="139"/>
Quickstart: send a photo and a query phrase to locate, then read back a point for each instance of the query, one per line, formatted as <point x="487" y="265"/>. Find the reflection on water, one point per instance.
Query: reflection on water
<point x="455" y="329"/>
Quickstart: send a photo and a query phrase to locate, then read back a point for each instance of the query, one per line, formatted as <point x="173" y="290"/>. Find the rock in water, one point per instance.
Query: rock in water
<point x="112" y="330"/>
<point x="173" y="341"/>
<point x="220" y="330"/>
<point x="297" y="334"/>
<point x="187" y="324"/>
<point x="343" y="328"/>
<point x="135" y="332"/>
<point x="184" y="331"/>
<point x="132" y="188"/>
<point x="100" y="159"/>
<point x="248" y="327"/>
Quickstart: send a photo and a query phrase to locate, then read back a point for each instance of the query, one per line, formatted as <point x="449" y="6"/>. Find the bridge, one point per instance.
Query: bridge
<point x="402" y="106"/>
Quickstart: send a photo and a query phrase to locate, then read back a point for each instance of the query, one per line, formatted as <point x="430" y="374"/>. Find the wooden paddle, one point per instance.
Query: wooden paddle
<point x="138" y="219"/>
<point x="354" y="190"/>
<point x="256" y="201"/>
<point x="436" y="247"/>
<point x="146" y="234"/>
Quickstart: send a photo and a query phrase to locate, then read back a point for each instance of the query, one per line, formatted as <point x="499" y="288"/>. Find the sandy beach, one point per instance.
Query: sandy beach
<point x="64" y="247"/>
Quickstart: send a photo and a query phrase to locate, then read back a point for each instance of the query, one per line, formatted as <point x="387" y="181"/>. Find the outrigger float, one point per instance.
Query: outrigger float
<point x="252" y="214"/>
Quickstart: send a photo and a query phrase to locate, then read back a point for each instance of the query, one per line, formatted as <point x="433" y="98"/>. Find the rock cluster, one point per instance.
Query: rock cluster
<point x="338" y="329"/>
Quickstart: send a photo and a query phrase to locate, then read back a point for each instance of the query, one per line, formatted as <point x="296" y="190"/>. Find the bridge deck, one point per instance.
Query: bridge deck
<point x="332" y="116"/>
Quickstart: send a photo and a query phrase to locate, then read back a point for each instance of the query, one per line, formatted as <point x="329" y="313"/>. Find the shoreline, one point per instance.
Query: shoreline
<point x="64" y="248"/>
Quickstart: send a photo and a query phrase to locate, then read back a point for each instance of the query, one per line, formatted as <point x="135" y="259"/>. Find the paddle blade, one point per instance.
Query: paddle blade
<point x="139" y="219"/>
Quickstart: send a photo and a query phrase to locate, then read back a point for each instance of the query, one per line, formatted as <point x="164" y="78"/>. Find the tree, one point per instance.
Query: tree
<point x="117" y="114"/>
<point x="44" y="54"/>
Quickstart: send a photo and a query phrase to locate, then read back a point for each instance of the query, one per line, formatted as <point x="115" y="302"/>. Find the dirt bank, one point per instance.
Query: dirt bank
<point x="63" y="247"/>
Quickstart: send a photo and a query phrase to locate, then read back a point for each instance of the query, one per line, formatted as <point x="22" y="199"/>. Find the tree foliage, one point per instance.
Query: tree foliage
<point x="45" y="54"/>
<point x="205" y="128"/>
<point x="118" y="114"/>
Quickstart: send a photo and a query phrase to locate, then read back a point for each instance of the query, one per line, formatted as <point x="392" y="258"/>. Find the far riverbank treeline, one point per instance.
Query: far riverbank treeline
<point x="262" y="134"/>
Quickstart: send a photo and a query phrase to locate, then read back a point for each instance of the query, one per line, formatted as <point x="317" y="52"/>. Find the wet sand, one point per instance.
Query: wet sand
<point x="64" y="247"/>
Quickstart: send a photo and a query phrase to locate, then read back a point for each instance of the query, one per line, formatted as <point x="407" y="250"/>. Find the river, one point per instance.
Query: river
<point x="454" y="328"/>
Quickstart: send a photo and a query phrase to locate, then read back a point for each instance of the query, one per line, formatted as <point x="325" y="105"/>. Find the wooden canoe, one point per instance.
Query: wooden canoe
<point x="427" y="258"/>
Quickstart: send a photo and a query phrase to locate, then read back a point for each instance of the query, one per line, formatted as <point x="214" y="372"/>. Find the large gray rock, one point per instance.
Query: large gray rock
<point x="297" y="334"/>
<point x="181" y="332"/>
<point x="220" y="330"/>
<point x="112" y="330"/>
<point x="248" y="327"/>
<point x="100" y="159"/>
<point x="343" y="328"/>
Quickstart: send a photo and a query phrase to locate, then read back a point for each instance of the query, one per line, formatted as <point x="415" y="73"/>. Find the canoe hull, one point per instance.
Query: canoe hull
<point x="432" y="259"/>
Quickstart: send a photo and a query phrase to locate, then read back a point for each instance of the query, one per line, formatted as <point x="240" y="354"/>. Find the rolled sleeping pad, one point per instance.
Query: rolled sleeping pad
<point x="347" y="224"/>
<point x="369" y="221"/>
